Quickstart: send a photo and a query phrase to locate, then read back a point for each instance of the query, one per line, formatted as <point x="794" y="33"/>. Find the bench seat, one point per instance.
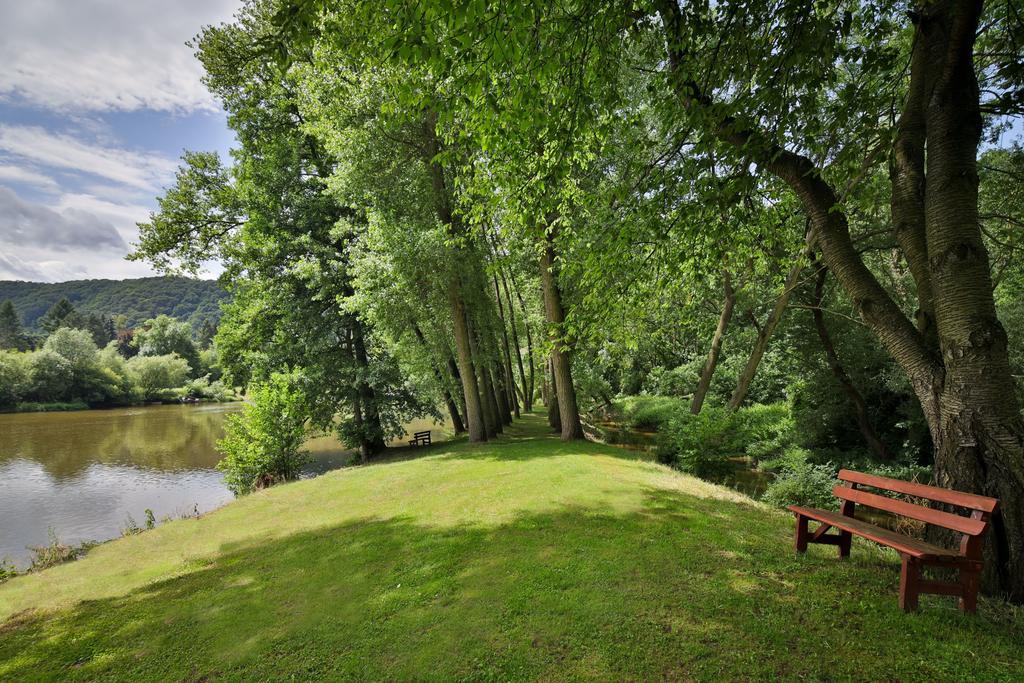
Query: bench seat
<point x="898" y="542"/>
<point x="915" y="553"/>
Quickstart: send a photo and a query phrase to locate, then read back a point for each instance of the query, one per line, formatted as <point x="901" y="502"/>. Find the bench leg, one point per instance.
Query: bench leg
<point x="969" y="580"/>
<point x="910" y="575"/>
<point x="801" y="534"/>
<point x="845" y="541"/>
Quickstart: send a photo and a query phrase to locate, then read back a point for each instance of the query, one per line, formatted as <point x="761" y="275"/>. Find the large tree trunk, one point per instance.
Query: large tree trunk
<point x="708" y="371"/>
<point x="860" y="407"/>
<point x="561" y="361"/>
<point x="464" y="350"/>
<point x="372" y="439"/>
<point x="764" y="335"/>
<point x="981" y="437"/>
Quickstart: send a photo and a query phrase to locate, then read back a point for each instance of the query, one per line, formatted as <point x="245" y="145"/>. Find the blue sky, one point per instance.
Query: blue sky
<point x="98" y="99"/>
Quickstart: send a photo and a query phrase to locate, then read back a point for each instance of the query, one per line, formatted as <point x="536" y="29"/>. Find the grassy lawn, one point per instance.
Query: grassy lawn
<point x="523" y="558"/>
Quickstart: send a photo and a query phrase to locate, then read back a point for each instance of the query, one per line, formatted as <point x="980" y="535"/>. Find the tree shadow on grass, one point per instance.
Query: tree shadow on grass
<point x="683" y="588"/>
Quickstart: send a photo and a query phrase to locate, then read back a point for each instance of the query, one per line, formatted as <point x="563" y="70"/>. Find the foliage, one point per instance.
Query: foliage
<point x="803" y="483"/>
<point x="15" y="378"/>
<point x="204" y="388"/>
<point x="12" y="333"/>
<point x="164" y="335"/>
<point x="137" y="300"/>
<point x="701" y="444"/>
<point x="263" y="445"/>
<point x="649" y="412"/>
<point x="55" y="552"/>
<point x="155" y="375"/>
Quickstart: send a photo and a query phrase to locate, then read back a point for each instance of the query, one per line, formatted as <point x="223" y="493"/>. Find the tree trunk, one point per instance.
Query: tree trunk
<point x="449" y="402"/>
<point x="464" y="349"/>
<point x="463" y="337"/>
<point x="860" y="408"/>
<point x="554" y="418"/>
<point x="453" y="370"/>
<point x="527" y="398"/>
<point x="981" y="436"/>
<point x="708" y="371"/>
<point x="561" y="361"/>
<point x="764" y="334"/>
<point x="529" y="338"/>
<point x="510" y="383"/>
<point x="372" y="435"/>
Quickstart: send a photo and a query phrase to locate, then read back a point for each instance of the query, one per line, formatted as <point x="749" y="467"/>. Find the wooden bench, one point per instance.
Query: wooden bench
<point x="914" y="552"/>
<point x="420" y="439"/>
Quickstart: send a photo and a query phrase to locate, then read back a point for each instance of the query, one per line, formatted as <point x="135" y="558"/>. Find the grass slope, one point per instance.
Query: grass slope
<point x="522" y="558"/>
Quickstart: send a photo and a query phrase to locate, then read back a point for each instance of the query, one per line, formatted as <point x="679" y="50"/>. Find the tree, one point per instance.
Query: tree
<point x="263" y="445"/>
<point x="164" y="335"/>
<point x="153" y="375"/>
<point x="12" y="333"/>
<point x="57" y="314"/>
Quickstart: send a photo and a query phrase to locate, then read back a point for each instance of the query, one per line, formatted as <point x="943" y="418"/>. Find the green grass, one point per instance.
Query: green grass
<point x="520" y="559"/>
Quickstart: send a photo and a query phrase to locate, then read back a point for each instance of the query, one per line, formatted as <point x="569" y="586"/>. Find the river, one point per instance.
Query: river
<point x="83" y="474"/>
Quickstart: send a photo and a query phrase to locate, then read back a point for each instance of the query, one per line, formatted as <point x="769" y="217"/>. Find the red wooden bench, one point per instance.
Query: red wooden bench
<point x="914" y="552"/>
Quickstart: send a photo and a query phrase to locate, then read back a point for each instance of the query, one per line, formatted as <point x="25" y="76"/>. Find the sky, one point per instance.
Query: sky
<point x="98" y="100"/>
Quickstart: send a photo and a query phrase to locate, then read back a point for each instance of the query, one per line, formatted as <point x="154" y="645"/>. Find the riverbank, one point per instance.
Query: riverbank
<point x="521" y="558"/>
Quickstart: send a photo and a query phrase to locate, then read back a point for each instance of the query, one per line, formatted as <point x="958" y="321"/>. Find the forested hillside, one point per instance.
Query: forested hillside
<point x="141" y="299"/>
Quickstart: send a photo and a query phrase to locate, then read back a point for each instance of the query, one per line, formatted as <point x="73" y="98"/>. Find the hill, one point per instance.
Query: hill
<point x="139" y="299"/>
<point x="522" y="558"/>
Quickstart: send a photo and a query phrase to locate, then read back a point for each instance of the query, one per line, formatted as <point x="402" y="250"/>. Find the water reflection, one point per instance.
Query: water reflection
<point x="83" y="473"/>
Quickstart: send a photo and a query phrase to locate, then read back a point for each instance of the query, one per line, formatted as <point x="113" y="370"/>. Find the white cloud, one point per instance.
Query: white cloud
<point x="13" y="268"/>
<point x="27" y="224"/>
<point x="145" y="171"/>
<point x="17" y="174"/>
<point x="106" y="55"/>
<point x="122" y="216"/>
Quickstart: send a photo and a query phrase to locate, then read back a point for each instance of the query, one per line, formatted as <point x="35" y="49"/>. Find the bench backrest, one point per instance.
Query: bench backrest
<point x="419" y="435"/>
<point x="975" y="525"/>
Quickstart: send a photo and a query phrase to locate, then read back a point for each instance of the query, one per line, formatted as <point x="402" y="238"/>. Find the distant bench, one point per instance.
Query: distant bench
<point x="914" y="552"/>
<point x="420" y="439"/>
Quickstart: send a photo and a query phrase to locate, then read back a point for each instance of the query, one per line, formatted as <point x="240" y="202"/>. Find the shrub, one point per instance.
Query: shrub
<point x="15" y="378"/>
<point x="205" y="389"/>
<point x="650" y="412"/>
<point x="809" y="485"/>
<point x="7" y="570"/>
<point x="51" y="376"/>
<point x="766" y="430"/>
<point x="679" y="381"/>
<point x="262" y="445"/>
<point x="154" y="375"/>
<point x="55" y="552"/>
<point x="700" y="444"/>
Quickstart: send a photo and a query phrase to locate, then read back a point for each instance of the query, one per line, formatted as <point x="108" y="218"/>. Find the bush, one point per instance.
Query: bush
<point x="262" y="445"/>
<point x="155" y="375"/>
<point x="766" y="430"/>
<point x="55" y="552"/>
<point x="203" y="388"/>
<point x="805" y="484"/>
<point x="700" y="444"/>
<point x="650" y="412"/>
<point x="15" y="378"/>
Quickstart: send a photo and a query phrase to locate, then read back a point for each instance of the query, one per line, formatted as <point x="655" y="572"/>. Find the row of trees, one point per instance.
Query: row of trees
<point x="141" y="365"/>
<point x="418" y="187"/>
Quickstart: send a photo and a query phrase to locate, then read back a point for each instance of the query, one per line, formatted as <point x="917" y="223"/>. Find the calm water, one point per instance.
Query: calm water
<point x="83" y="473"/>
